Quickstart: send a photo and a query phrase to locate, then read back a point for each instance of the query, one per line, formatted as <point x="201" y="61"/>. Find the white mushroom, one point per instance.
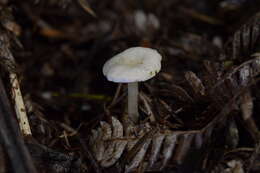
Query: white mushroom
<point x="132" y="66"/>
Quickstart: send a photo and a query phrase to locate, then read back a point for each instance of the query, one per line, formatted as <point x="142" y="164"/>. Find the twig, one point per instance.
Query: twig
<point x="115" y="98"/>
<point x="147" y="106"/>
<point x="84" y="4"/>
<point x="11" y="139"/>
<point x="19" y="105"/>
<point x="7" y="56"/>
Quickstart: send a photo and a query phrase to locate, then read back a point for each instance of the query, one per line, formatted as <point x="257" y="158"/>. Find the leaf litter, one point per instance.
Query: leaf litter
<point x="202" y="109"/>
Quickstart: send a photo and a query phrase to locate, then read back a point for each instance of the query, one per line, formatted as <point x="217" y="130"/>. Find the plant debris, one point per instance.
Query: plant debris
<point x="199" y="114"/>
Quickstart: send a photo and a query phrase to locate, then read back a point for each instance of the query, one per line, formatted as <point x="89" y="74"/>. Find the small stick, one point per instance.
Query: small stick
<point x="11" y="139"/>
<point x="116" y="95"/>
<point x="19" y="105"/>
<point x="145" y="100"/>
<point x="7" y="57"/>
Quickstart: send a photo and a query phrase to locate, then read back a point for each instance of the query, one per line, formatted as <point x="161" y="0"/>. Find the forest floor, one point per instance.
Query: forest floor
<point x="198" y="114"/>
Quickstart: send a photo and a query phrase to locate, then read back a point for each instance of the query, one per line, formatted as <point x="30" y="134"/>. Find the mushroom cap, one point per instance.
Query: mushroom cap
<point x="133" y="65"/>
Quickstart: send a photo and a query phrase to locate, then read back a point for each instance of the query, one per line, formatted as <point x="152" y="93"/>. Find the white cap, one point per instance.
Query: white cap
<point x="133" y="65"/>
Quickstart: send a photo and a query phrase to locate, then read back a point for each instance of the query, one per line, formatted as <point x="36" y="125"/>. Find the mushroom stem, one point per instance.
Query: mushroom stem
<point x="133" y="101"/>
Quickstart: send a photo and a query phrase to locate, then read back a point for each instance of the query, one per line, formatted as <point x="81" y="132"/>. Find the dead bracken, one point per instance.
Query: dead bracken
<point x="196" y="107"/>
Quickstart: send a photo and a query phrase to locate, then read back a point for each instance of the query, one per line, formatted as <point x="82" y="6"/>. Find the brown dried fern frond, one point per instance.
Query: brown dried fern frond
<point x="244" y="41"/>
